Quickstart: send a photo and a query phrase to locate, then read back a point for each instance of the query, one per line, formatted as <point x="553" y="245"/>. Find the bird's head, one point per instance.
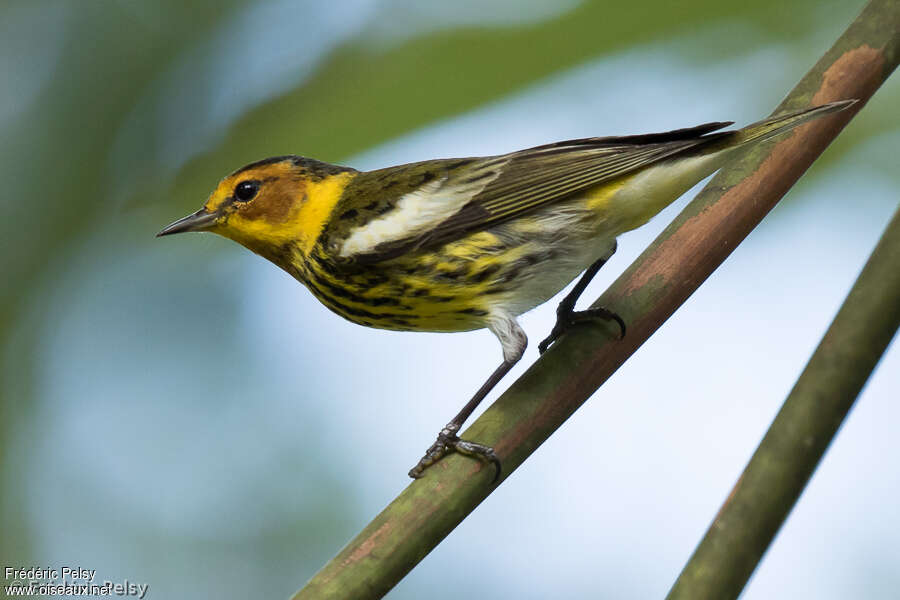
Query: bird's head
<point x="270" y="204"/>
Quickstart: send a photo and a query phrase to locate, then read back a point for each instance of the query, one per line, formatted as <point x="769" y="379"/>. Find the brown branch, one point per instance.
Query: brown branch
<point x="795" y="443"/>
<point x="681" y="258"/>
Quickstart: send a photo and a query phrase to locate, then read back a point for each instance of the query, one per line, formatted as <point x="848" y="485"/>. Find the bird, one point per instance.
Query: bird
<point x="460" y="244"/>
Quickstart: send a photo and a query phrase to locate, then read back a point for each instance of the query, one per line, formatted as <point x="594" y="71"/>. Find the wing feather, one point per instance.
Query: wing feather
<point x="514" y="184"/>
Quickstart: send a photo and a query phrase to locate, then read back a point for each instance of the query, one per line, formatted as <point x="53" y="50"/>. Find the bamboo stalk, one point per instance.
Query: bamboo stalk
<point x="800" y="434"/>
<point x="650" y="290"/>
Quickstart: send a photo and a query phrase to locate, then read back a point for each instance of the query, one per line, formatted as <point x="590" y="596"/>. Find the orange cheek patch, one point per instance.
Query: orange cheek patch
<point x="275" y="205"/>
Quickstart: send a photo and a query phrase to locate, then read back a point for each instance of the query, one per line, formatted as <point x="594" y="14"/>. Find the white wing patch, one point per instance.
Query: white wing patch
<point x="417" y="212"/>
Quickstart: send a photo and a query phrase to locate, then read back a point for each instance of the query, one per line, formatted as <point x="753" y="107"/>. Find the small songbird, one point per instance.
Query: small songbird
<point x="464" y="243"/>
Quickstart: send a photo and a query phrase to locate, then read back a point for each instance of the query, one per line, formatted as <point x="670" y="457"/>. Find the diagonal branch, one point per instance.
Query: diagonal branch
<point x="649" y="291"/>
<point x="798" y="438"/>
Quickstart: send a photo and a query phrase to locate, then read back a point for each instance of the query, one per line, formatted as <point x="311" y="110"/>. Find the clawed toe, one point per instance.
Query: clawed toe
<point x="565" y="320"/>
<point x="447" y="442"/>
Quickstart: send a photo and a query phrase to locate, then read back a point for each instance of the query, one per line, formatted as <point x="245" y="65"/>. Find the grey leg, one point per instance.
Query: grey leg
<point x="567" y="316"/>
<point x="514" y="341"/>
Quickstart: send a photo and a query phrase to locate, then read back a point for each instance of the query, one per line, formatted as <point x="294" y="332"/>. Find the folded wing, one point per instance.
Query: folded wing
<point x="460" y="198"/>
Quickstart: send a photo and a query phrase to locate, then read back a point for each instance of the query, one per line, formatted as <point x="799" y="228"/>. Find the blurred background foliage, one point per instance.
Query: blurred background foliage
<point x="178" y="413"/>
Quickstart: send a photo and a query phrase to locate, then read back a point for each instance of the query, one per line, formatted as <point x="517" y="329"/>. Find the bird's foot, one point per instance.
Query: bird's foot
<point x="566" y="318"/>
<point x="447" y="442"/>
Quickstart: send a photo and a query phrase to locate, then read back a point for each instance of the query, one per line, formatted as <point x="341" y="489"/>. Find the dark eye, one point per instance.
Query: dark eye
<point x="246" y="190"/>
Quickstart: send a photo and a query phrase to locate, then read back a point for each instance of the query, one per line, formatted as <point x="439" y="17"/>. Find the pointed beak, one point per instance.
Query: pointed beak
<point x="199" y="221"/>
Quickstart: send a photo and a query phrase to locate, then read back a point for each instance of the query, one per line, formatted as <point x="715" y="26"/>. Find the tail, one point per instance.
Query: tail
<point x="767" y="128"/>
<point x="657" y="185"/>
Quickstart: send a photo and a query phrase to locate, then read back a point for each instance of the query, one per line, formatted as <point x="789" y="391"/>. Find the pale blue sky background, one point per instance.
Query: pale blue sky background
<point x="201" y="423"/>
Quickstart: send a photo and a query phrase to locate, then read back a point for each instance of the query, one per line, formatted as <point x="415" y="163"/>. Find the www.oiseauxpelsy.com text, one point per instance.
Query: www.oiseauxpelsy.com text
<point x="68" y="581"/>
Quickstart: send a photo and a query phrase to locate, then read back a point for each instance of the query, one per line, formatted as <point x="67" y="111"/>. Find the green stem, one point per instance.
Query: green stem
<point x="797" y="440"/>
<point x="650" y="290"/>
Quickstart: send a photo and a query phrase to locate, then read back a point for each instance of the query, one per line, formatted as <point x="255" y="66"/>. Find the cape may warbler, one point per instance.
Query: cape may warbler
<point x="464" y="243"/>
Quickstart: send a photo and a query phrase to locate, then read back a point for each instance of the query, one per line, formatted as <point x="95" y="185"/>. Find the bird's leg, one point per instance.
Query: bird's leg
<point x="567" y="316"/>
<point x="448" y="441"/>
<point x="514" y="341"/>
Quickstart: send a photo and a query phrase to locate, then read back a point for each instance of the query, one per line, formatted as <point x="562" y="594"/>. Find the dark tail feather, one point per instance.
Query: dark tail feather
<point x="773" y="126"/>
